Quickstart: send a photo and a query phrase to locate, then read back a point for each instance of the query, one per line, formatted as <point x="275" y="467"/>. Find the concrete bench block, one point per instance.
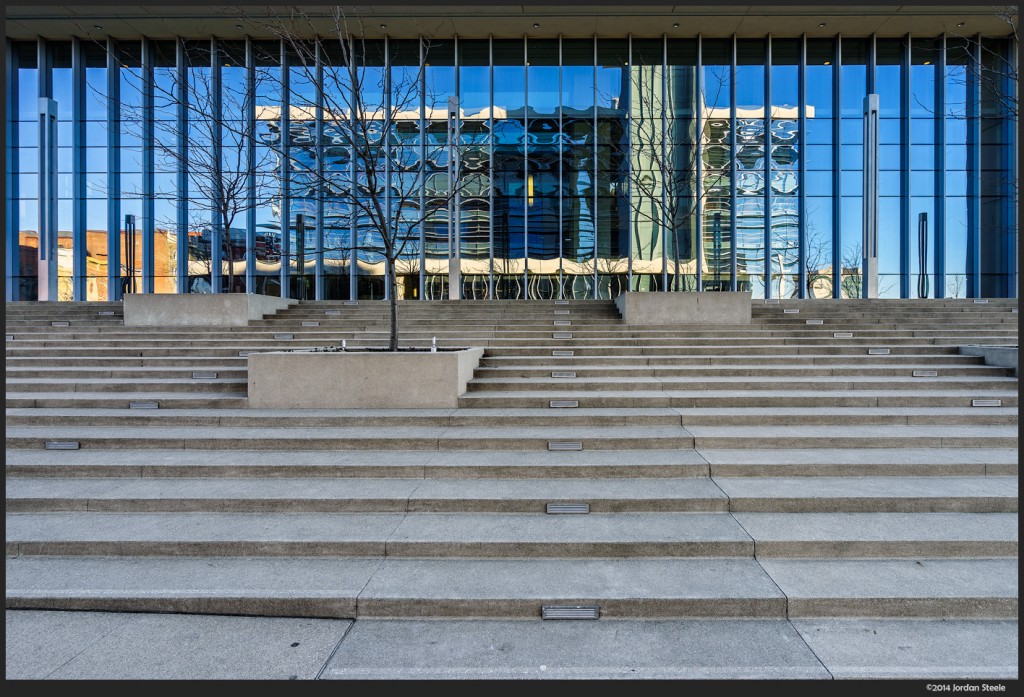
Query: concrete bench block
<point x="359" y="379"/>
<point x="199" y="310"/>
<point x="685" y="308"/>
<point x="1001" y="356"/>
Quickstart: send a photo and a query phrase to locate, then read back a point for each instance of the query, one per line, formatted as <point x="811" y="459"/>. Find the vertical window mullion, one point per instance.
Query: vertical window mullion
<point x="561" y="180"/>
<point x="526" y="173"/>
<point x="802" y="168"/>
<point x="318" y="264"/>
<point x="78" y="224"/>
<point x="219" y="233"/>
<point x="667" y="220"/>
<point x="250" y="167"/>
<point x="837" y="85"/>
<point x="113" y="172"/>
<point x="733" y="168"/>
<point x="939" y="111"/>
<point x="699" y="158"/>
<point x="593" y="144"/>
<point x="181" y="96"/>
<point x="768" y="170"/>
<point x="974" y="169"/>
<point x="148" y="165"/>
<point x="353" y="264"/>
<point x="283" y="172"/>
<point x="12" y="261"/>
<point x="422" y="84"/>
<point x="490" y="191"/>
<point x="905" y="212"/>
<point x="629" y="161"/>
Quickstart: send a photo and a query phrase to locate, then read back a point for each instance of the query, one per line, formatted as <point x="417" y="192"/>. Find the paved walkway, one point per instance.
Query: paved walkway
<point x="104" y="645"/>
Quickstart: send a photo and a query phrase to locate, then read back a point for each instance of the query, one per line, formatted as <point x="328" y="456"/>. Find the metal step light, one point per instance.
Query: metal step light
<point x="560" y="445"/>
<point x="332" y="312"/>
<point x="143" y="405"/>
<point x="284" y="336"/>
<point x="351" y="302"/>
<point x="791" y="311"/>
<point x="563" y="322"/>
<point x="105" y="313"/>
<point x="986" y="402"/>
<point x="310" y="324"/>
<point x="981" y="302"/>
<point x="815" y="321"/>
<point x="563" y="354"/>
<point x="562" y="335"/>
<point x="842" y="335"/>
<point x="60" y="324"/>
<point x="62" y="445"/>
<point x="243" y="354"/>
<point x="567" y="508"/>
<point x="564" y="403"/>
<point x="878" y="352"/>
<point x="771" y="301"/>
<point x="926" y="374"/>
<point x="563" y="374"/>
<point x="561" y="312"/>
<point x="561" y="302"/>
<point x="204" y="376"/>
<point x="570" y="612"/>
<point x="10" y="337"/>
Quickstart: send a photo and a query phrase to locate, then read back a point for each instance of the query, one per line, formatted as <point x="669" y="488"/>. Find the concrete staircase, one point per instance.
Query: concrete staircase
<point x="824" y="461"/>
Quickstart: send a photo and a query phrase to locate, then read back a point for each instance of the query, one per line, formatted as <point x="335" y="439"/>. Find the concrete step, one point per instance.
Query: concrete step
<point x="507" y="464"/>
<point x="745" y="382"/>
<point x="218" y="385"/>
<point x="794" y="361"/>
<point x="395" y="587"/>
<point x="737" y="399"/>
<point x="871" y="494"/>
<point x="317" y="495"/>
<point x="663" y="416"/>
<point x="851" y="462"/>
<point x="623" y="588"/>
<point x="409" y="535"/>
<point x="586" y="372"/>
<point x="121" y="373"/>
<point x="123" y="400"/>
<point x="263" y="418"/>
<point x="87" y="362"/>
<point x="889" y="436"/>
<point x="356" y="438"/>
<point x="846" y="535"/>
<point x="766" y="535"/>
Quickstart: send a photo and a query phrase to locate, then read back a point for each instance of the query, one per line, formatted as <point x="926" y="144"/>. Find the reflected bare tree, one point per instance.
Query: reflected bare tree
<point x="663" y="159"/>
<point x="366" y="109"/>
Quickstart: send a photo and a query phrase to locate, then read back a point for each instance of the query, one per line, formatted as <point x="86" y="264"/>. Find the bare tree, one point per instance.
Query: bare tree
<point x="818" y="262"/>
<point x="370" y="114"/>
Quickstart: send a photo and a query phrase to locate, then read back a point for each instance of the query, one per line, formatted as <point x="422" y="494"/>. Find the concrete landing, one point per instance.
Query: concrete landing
<point x="87" y="645"/>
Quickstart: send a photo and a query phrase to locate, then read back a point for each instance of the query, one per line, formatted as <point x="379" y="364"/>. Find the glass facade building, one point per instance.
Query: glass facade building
<point x="588" y="166"/>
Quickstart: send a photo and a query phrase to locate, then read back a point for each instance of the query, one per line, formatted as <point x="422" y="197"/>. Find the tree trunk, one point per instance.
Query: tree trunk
<point x="393" y="326"/>
<point x="225" y="242"/>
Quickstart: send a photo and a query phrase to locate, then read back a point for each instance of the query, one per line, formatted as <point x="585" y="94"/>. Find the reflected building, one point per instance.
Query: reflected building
<point x="587" y="166"/>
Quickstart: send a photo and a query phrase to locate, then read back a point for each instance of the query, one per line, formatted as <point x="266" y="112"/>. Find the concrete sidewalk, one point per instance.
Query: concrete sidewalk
<point x="103" y="645"/>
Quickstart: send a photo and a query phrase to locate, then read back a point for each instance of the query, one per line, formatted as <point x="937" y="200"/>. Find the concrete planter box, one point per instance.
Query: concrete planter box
<point x="685" y="308"/>
<point x="360" y="379"/>
<point x="1001" y="356"/>
<point x="200" y="309"/>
